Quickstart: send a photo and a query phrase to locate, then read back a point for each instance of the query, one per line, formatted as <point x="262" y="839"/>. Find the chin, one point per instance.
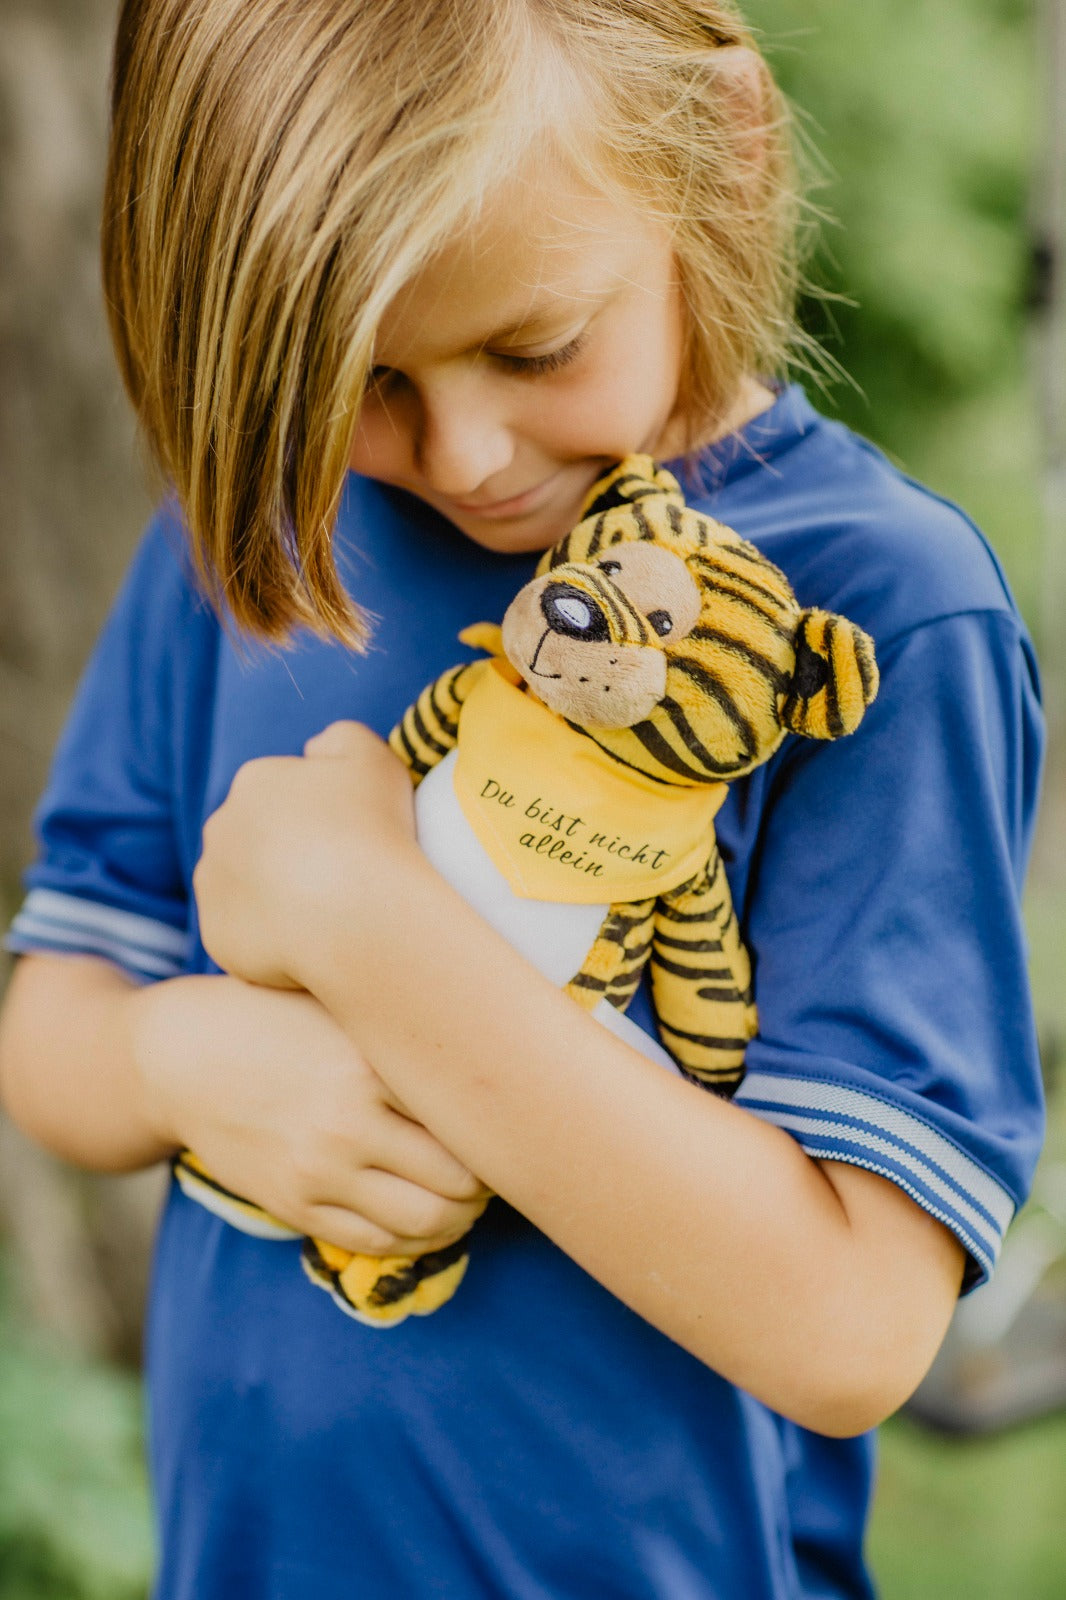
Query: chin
<point x="514" y="540"/>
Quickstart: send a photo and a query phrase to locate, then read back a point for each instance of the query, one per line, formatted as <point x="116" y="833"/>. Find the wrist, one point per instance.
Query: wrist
<point x="371" y="898"/>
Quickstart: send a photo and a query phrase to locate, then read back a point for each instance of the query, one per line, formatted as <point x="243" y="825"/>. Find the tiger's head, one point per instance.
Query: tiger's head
<point x="674" y="644"/>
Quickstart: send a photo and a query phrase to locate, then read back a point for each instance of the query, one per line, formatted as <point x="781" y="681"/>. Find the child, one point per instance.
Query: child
<point x="478" y="251"/>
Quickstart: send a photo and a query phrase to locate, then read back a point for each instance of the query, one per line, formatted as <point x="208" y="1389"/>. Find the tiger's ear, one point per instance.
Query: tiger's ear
<point x="835" y="678"/>
<point x="634" y="478"/>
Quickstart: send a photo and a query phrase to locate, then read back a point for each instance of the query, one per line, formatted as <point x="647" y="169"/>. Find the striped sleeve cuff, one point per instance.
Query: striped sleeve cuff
<point x="833" y="1122"/>
<point x="69" y="925"/>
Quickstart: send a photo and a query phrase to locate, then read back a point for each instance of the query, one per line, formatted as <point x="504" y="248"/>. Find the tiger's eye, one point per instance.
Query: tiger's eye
<point x="662" y="622"/>
<point x="610" y="567"/>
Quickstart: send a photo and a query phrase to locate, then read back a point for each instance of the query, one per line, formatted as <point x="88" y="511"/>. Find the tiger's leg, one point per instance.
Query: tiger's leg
<point x="611" y="970"/>
<point x="701" y="979"/>
<point x="382" y="1291"/>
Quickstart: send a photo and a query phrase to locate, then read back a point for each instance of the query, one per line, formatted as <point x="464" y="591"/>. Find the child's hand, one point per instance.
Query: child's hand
<point x="292" y="838"/>
<point x="281" y="1107"/>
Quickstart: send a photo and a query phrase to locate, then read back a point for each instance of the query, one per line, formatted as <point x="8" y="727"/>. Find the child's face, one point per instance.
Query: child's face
<point x="523" y="359"/>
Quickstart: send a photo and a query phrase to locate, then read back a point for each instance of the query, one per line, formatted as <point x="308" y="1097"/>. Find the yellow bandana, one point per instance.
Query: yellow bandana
<point x="559" y="817"/>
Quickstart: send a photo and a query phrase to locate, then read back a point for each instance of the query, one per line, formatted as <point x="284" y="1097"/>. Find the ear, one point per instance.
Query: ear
<point x="739" y="77"/>
<point x="634" y="478"/>
<point x="835" y="678"/>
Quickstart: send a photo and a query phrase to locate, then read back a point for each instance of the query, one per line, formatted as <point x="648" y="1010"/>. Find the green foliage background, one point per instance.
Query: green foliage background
<point x="74" y="1521"/>
<point x="925" y="114"/>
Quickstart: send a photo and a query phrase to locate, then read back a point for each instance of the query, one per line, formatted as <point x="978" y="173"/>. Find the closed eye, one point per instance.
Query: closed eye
<point x="537" y="366"/>
<point x="380" y="378"/>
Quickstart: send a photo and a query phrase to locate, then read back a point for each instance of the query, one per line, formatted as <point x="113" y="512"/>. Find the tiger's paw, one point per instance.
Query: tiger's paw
<point x="383" y="1291"/>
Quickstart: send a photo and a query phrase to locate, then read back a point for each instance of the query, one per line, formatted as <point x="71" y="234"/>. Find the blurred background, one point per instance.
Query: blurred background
<point x="940" y="132"/>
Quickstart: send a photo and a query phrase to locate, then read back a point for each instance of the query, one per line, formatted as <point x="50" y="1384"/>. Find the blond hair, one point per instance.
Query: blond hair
<point x="278" y="172"/>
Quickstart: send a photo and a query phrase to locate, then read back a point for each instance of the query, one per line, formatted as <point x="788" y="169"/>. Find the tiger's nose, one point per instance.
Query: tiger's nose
<point x="568" y="610"/>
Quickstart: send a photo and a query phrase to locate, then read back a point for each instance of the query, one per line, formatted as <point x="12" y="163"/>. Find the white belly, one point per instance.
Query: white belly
<point x="554" y="938"/>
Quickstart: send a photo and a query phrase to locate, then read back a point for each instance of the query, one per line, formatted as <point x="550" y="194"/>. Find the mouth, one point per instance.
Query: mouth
<point x="532" y="668"/>
<point x="514" y="506"/>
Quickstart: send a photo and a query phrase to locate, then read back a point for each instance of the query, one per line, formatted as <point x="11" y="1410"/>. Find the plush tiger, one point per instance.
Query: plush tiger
<point x="568" y="785"/>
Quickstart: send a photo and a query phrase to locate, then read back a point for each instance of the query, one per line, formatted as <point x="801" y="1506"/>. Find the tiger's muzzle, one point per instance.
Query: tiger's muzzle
<point x="585" y="649"/>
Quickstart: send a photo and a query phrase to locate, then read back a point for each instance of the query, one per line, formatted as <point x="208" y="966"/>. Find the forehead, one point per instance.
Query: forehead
<point x="545" y="251"/>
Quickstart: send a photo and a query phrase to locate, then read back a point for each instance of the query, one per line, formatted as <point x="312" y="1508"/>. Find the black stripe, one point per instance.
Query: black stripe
<point x="673" y="517"/>
<point x="597" y="536"/>
<point x="770" y="618"/>
<point x="455" y="678"/>
<point x="414" y="760"/>
<point x="717" y="691"/>
<point x="628" y="978"/>
<point x="866" y="668"/>
<point x="561" y="553"/>
<point x="611" y="595"/>
<point x="448" y="725"/>
<point x="702" y="974"/>
<point x="424" y="733"/>
<point x="633" y="914"/>
<point x="637" y="954"/>
<point x="614" y="492"/>
<point x="737" y="647"/>
<point x="722" y="573"/>
<point x="706" y="1041"/>
<point x="701" y="946"/>
<point x="212" y="1183"/>
<point x="646" y="531"/>
<point x="664" y="754"/>
<point x="630" y="766"/>
<point x="722" y="1081"/>
<point x="683" y="728"/>
<point x="749" y="553"/>
<point x="393" y="1287"/>
<point x="834" y="720"/>
<point x="673" y="915"/>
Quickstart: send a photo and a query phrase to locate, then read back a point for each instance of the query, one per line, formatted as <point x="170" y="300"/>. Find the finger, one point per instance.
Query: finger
<point x="350" y="1231"/>
<point x="339" y="739"/>
<point x="419" y="1219"/>
<point x="407" y="1149"/>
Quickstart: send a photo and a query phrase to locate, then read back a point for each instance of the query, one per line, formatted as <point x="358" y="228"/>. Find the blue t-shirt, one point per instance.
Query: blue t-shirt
<point x="535" y="1439"/>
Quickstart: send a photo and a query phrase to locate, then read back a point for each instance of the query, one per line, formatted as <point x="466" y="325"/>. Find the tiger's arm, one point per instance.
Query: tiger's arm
<point x="701" y="979"/>
<point x="429" y="729"/>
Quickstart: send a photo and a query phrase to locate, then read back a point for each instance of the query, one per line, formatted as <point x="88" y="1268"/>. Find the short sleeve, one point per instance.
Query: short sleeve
<point x="883" y="904"/>
<point x="112" y="872"/>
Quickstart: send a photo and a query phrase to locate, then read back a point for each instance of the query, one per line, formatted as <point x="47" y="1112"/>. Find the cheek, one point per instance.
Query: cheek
<point x="623" y="405"/>
<point x="633" y="389"/>
<point x="379" y="445"/>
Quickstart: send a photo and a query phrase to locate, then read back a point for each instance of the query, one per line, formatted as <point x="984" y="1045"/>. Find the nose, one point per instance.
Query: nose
<point x="569" y="611"/>
<point x="462" y="443"/>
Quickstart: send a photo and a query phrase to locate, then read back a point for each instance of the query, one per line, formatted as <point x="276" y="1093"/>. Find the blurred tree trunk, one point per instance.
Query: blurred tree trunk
<point x="73" y="502"/>
<point x="1050" y="352"/>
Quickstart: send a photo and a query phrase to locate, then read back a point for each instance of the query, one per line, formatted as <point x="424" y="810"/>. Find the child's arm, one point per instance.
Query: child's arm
<point x="823" y="1291"/>
<point x="112" y="1075"/>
